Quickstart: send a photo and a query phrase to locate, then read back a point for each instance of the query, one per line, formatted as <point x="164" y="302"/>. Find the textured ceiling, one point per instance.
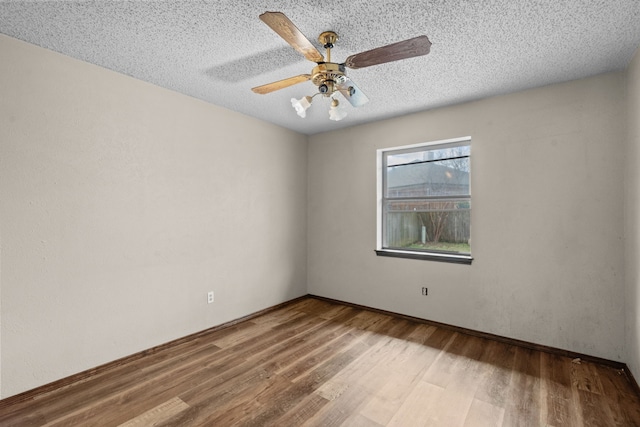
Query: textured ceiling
<point x="218" y="50"/>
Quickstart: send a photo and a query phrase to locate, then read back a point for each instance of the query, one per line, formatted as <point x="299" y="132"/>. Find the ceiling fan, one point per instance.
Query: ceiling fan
<point x="330" y="77"/>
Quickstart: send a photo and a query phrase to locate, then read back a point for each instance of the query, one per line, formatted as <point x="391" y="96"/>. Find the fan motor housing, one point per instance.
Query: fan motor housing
<point x="328" y="72"/>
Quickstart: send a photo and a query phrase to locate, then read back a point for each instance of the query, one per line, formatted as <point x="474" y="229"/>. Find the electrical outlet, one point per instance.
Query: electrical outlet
<point x="209" y="297"/>
<point x="425" y="291"/>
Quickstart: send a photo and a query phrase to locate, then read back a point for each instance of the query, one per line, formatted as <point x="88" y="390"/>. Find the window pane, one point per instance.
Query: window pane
<point x="428" y="178"/>
<point x="428" y="225"/>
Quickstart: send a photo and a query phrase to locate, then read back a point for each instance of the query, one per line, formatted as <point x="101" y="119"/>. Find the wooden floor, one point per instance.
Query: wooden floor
<point x="318" y="363"/>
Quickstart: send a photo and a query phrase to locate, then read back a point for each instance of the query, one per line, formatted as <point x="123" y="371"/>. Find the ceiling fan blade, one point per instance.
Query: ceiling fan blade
<point x="281" y="84"/>
<point x="286" y="29"/>
<point x="416" y="46"/>
<point x="354" y="95"/>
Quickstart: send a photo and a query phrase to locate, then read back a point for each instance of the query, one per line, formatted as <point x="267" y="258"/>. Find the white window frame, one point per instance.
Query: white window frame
<point x="380" y="174"/>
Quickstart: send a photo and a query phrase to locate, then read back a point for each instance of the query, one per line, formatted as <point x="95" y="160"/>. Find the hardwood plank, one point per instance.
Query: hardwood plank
<point x="420" y="408"/>
<point x="250" y="331"/>
<point x="465" y="378"/>
<point x="483" y="414"/>
<point x="523" y="407"/>
<point x="357" y="385"/>
<point x="225" y="404"/>
<point x="555" y="372"/>
<point x="594" y="412"/>
<point x="288" y="352"/>
<point x="406" y="373"/>
<point x="494" y="388"/>
<point x="270" y="383"/>
<point x="318" y="307"/>
<point x="620" y="395"/>
<point x="347" y="391"/>
<point x="157" y="414"/>
<point x="302" y="367"/>
<point x="367" y="320"/>
<point x="288" y="399"/>
<point x="24" y="419"/>
<point x="583" y="377"/>
<point x="305" y="410"/>
<point x="230" y="401"/>
<point x="361" y="421"/>
<point x="440" y="372"/>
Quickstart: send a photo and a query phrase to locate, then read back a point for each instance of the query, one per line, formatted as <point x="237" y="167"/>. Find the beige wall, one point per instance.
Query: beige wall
<point x="547" y="221"/>
<point x="632" y="215"/>
<point x="122" y="204"/>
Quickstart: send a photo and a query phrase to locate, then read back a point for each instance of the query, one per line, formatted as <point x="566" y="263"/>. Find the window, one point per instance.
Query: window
<point x="424" y="201"/>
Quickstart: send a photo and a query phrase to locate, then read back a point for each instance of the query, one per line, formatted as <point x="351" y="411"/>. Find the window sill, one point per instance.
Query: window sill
<point x="427" y="256"/>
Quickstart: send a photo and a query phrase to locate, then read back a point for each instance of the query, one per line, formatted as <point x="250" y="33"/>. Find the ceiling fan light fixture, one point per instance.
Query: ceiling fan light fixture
<point x="301" y="105"/>
<point x="336" y="111"/>
<point x="330" y="77"/>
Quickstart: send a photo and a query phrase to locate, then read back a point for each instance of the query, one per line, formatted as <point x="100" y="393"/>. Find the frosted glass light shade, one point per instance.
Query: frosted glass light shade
<point x="336" y="112"/>
<point x="301" y="105"/>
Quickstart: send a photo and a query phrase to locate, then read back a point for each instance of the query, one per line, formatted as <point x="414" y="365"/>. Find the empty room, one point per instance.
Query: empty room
<point x="218" y="213"/>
